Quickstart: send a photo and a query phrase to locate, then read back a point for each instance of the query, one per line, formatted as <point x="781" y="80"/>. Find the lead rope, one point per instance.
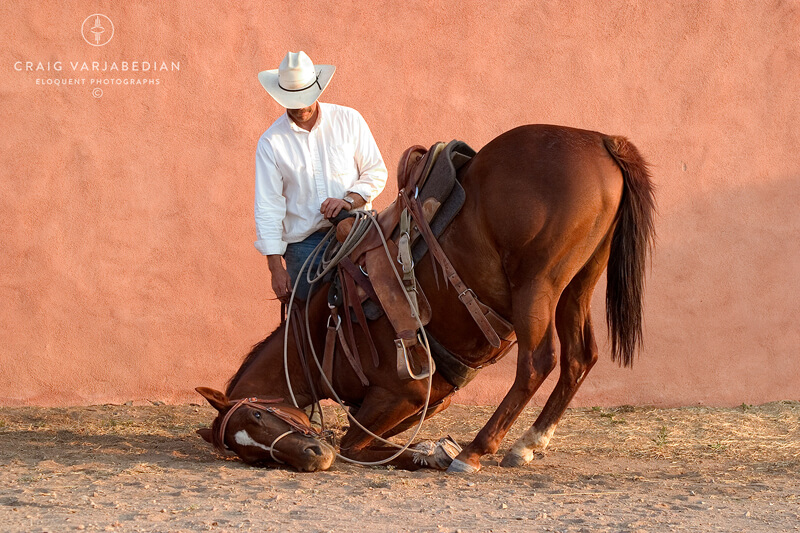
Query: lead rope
<point x="356" y="235"/>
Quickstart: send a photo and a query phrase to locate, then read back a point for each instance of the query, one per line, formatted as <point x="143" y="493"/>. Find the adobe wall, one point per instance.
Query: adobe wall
<point x="127" y="269"/>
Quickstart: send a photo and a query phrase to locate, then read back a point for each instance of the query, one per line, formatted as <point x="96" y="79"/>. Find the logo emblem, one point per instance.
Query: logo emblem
<point x="97" y="29"/>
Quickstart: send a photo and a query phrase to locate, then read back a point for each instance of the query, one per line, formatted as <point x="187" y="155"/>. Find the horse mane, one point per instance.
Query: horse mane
<point x="249" y="358"/>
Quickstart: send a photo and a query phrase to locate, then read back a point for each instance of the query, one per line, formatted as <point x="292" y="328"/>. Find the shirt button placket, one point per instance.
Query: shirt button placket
<point x="316" y="165"/>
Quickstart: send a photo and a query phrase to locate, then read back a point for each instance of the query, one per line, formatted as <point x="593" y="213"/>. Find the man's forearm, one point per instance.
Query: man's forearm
<point x="275" y="262"/>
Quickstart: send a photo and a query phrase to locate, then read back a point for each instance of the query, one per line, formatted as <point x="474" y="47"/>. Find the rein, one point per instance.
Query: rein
<point x="296" y="424"/>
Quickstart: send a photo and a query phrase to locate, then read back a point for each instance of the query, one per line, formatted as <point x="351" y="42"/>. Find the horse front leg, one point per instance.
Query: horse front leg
<point x="382" y="412"/>
<point x="533" y="321"/>
<point x="413" y="420"/>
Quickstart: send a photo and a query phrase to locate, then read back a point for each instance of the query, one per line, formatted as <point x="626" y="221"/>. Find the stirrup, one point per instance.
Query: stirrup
<point x="403" y="363"/>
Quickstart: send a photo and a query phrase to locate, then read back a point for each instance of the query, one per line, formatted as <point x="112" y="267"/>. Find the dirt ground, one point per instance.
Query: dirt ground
<point x="143" y="468"/>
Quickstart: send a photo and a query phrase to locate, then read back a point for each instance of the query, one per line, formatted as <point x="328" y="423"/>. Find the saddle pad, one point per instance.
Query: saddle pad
<point x="444" y="173"/>
<point x="443" y="185"/>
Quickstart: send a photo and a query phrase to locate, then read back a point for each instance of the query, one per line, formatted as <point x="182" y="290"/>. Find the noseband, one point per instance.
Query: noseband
<point x="296" y="424"/>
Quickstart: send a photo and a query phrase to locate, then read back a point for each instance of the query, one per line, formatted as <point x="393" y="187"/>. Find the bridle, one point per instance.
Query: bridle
<point x="296" y="424"/>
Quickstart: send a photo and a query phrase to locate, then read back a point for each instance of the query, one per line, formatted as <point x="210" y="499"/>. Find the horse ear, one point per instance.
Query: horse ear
<point x="206" y="434"/>
<point x="217" y="399"/>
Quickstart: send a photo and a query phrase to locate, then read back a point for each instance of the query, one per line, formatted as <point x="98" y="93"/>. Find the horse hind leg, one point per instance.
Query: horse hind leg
<point x="578" y="356"/>
<point x="533" y="321"/>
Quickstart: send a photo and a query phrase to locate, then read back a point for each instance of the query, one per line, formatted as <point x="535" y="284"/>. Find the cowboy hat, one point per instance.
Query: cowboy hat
<point x="297" y="83"/>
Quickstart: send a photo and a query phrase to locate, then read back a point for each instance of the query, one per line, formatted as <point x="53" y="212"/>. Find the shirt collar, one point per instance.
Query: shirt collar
<point x="298" y="129"/>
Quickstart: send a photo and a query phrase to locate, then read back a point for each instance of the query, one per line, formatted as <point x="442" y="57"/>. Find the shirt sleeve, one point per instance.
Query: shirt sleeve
<point x="371" y="168"/>
<point x="270" y="204"/>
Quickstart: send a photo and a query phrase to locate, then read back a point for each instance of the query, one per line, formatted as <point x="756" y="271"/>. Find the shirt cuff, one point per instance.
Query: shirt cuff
<point x="270" y="247"/>
<point x="362" y="190"/>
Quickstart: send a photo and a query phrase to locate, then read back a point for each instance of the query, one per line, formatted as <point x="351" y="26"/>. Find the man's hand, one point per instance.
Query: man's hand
<point x="281" y="282"/>
<point x="332" y="206"/>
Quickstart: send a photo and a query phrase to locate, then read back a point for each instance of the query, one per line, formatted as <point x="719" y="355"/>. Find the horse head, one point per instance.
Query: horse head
<point x="266" y="432"/>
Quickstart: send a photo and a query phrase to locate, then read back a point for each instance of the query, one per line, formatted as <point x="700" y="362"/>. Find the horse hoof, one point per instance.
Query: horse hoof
<point x="512" y="460"/>
<point x="460" y="467"/>
<point x="447" y="449"/>
<point x="423" y="452"/>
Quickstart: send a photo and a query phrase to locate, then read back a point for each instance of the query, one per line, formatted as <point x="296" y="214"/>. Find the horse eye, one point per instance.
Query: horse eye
<point x="257" y="414"/>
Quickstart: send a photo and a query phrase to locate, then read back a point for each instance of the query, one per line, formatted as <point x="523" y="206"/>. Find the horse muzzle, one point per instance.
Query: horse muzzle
<point x="314" y="456"/>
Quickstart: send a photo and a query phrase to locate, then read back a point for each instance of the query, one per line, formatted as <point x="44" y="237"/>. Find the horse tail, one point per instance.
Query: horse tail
<point x="633" y="239"/>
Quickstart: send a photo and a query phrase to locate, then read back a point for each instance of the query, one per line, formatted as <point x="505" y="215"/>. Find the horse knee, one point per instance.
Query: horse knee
<point x="577" y="358"/>
<point x="590" y="352"/>
<point x="589" y="357"/>
<point x="547" y="363"/>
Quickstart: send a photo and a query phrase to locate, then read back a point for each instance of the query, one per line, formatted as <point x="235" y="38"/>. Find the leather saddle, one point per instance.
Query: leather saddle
<point x="428" y="180"/>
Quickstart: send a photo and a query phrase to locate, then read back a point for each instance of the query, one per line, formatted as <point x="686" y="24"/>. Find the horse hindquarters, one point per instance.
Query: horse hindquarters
<point x="588" y="192"/>
<point x="623" y="252"/>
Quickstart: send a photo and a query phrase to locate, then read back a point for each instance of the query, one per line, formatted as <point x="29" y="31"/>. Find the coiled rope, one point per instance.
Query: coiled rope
<point x="364" y="220"/>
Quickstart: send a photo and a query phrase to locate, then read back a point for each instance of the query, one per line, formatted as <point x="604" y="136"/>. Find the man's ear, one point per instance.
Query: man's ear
<point x="205" y="433"/>
<point x="217" y="399"/>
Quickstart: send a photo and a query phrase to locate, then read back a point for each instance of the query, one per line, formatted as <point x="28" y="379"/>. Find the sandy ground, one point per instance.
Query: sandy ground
<point x="142" y="468"/>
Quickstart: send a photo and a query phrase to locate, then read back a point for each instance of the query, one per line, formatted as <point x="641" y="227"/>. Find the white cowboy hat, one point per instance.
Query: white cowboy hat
<point x="296" y="83"/>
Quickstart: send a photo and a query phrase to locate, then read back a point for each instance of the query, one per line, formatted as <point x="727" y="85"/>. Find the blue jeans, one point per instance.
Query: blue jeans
<point x="296" y="254"/>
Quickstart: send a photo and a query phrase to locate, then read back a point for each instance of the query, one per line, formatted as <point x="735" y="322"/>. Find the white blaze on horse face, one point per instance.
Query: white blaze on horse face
<point x="243" y="438"/>
<point x="532" y="441"/>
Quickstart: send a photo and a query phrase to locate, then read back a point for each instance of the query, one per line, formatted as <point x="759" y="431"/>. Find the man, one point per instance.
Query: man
<point x="314" y="161"/>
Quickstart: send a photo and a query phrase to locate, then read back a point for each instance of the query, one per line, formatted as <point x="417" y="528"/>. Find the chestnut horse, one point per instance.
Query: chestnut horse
<point x="547" y="210"/>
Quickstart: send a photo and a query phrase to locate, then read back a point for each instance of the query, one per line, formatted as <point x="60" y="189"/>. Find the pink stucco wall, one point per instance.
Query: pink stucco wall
<point x="127" y="269"/>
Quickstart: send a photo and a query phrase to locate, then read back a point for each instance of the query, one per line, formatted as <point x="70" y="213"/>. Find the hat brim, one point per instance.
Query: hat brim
<point x="296" y="99"/>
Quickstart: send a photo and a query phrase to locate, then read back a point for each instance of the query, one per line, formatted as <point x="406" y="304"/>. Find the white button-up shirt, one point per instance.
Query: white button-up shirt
<point x="297" y="170"/>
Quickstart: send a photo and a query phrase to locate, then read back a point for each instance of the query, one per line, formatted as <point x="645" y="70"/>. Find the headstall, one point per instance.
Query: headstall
<point x="296" y="424"/>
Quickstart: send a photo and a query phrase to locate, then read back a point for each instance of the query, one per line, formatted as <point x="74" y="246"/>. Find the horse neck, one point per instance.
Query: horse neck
<point x="263" y="374"/>
<point x="265" y="377"/>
